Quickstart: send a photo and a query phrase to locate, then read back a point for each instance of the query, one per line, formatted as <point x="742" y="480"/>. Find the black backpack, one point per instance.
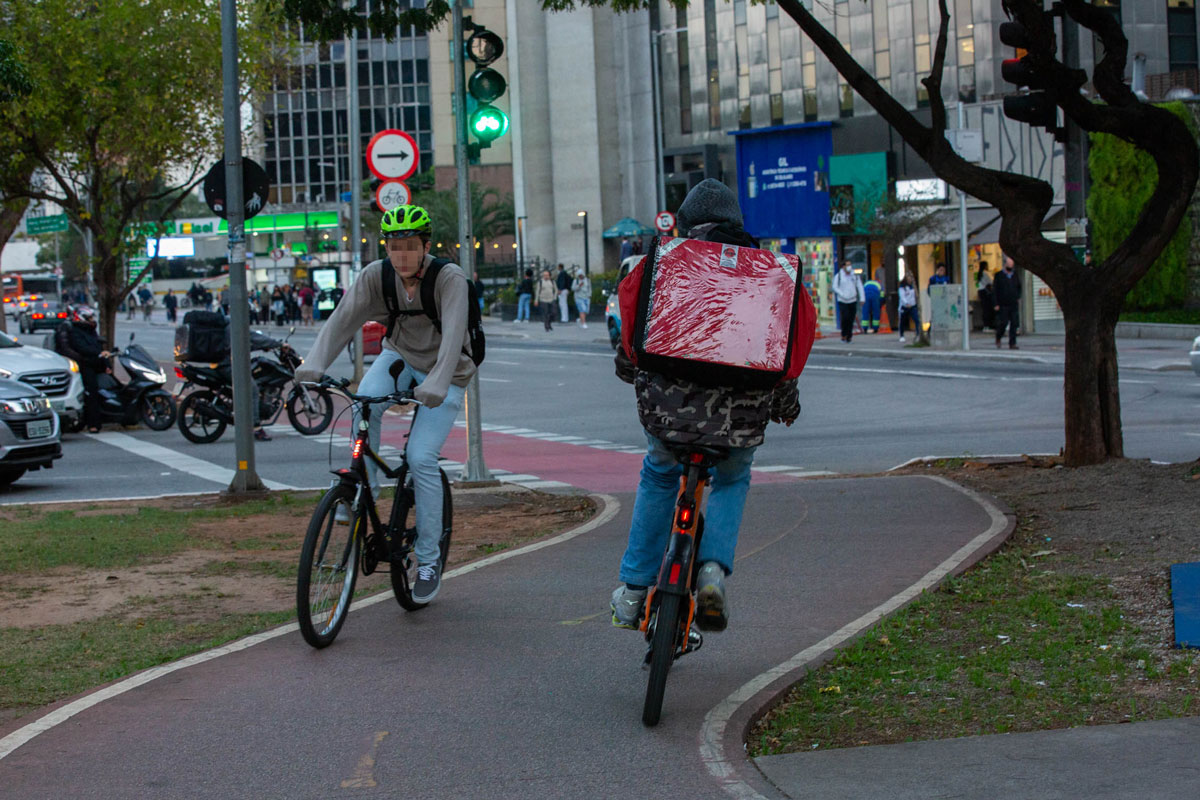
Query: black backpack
<point x="429" y="307"/>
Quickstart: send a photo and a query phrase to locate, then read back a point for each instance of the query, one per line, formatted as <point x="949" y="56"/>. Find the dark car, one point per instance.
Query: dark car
<point x="29" y="431"/>
<point x="40" y="315"/>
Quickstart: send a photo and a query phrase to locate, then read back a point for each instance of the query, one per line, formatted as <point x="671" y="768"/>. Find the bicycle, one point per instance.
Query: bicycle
<point x="670" y="607"/>
<point x="330" y="559"/>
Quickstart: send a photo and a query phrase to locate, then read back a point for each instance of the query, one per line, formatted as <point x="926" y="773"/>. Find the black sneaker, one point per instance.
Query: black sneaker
<point x="429" y="580"/>
<point x="261" y="435"/>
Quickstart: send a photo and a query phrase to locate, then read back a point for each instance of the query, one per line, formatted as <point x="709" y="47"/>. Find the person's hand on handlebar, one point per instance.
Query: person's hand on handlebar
<point x="428" y="398"/>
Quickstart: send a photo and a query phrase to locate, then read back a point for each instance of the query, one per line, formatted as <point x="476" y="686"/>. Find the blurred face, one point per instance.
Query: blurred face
<point x="407" y="255"/>
<point x="545" y="274"/>
<point x="941" y="270"/>
<point x="846" y="266"/>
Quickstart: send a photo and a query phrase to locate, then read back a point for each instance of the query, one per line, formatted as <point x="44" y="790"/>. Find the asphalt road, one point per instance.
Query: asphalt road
<point x="512" y="684"/>
<point x="861" y="415"/>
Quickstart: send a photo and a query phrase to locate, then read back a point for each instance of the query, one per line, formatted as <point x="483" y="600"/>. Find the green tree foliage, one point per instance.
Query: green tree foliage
<point x="14" y="78"/>
<point x="127" y="114"/>
<point x="1123" y="178"/>
<point x="491" y="216"/>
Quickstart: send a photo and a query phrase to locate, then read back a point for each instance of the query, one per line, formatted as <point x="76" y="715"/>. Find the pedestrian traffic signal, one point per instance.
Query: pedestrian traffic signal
<point x="485" y="121"/>
<point x="1036" y="108"/>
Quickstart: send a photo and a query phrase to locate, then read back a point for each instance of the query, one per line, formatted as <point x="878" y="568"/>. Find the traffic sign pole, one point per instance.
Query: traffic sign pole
<point x="245" y="478"/>
<point x="355" y="153"/>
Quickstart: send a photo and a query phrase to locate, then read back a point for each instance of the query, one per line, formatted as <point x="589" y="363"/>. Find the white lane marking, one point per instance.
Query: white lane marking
<point x="176" y="460"/>
<point x="712" y="734"/>
<point x="772" y="469"/>
<point x="495" y="380"/>
<point x="505" y="363"/>
<point x="945" y="375"/>
<point x="542" y="351"/>
<point x="1192" y="434"/>
<point x="815" y="473"/>
<point x="60" y="715"/>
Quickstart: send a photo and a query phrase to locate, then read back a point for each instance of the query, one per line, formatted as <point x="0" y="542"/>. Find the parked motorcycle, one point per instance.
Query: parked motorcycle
<point x="206" y="407"/>
<point x="142" y="397"/>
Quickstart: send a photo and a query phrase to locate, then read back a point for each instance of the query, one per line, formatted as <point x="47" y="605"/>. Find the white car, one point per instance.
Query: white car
<point x="612" y="311"/>
<point x="53" y="375"/>
<point x="1196" y="355"/>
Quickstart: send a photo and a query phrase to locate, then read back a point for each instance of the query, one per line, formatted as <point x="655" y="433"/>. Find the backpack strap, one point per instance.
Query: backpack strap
<point x="428" y="302"/>
<point x="390" y="300"/>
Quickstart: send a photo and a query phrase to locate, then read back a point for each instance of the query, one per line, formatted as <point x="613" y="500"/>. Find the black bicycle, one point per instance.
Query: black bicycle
<point x="346" y="535"/>
<point x="671" y="602"/>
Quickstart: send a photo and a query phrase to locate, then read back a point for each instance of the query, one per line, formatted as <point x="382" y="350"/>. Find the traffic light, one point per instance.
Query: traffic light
<point x="1036" y="107"/>
<point x="485" y="121"/>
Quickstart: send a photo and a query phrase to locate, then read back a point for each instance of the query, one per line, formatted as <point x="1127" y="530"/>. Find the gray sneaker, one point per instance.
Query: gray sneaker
<point x="429" y="580"/>
<point x="627" y="606"/>
<point x="712" y="611"/>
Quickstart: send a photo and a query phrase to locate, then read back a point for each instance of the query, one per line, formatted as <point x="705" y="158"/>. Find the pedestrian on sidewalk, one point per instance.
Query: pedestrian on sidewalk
<point x="524" y="297"/>
<point x="543" y="300"/>
<point x="582" y="286"/>
<point x="939" y="277"/>
<point x="848" y="291"/>
<point x="626" y="249"/>
<point x="909" y="310"/>
<point x="983" y="286"/>
<point x="171" y="302"/>
<point x="308" y="299"/>
<point x="1007" y="289"/>
<point x="563" y="282"/>
<point x="873" y="302"/>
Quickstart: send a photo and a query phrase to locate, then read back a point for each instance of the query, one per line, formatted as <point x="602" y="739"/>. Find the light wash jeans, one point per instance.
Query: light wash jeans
<point x="429" y="433"/>
<point x="654" y="511"/>
<point x="524" y="301"/>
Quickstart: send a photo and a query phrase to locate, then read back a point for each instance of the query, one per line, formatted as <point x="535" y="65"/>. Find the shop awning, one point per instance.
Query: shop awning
<point x="990" y="232"/>
<point x="943" y="225"/>
<point x="627" y="226"/>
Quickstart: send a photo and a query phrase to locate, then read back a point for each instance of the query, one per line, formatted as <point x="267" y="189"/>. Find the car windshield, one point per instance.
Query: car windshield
<point x="8" y="341"/>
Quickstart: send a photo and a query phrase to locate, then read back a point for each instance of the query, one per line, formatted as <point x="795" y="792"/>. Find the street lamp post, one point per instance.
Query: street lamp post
<point x="586" y="249"/>
<point x="520" y="247"/>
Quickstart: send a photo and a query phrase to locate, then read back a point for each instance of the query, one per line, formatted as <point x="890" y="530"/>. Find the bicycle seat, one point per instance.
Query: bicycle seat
<point x="709" y="455"/>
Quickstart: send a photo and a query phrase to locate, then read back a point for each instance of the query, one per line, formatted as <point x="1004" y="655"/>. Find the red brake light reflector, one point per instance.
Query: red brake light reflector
<point x="356" y="451"/>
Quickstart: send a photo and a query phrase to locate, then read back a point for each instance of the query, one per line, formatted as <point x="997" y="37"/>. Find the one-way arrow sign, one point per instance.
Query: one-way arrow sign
<point x="392" y="155"/>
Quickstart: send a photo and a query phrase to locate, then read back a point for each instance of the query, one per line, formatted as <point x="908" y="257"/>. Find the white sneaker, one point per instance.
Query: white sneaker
<point x="712" y="609"/>
<point x="585" y="326"/>
<point x="515" y="321"/>
<point x="901" y="338"/>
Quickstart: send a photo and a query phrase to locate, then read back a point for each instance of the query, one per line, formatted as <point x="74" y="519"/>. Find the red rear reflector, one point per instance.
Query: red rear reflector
<point x="39" y="316"/>
<point x="179" y="373"/>
<point x="685" y="515"/>
<point x="356" y="451"/>
<point x="62" y="315"/>
<point x="674" y="574"/>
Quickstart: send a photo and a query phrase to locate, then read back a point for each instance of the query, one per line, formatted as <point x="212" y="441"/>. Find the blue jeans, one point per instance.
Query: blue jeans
<point x="523" y="304"/>
<point x="429" y="433"/>
<point x="654" y="511"/>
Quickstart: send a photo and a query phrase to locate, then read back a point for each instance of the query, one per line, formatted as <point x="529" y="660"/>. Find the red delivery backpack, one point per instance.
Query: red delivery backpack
<point x="718" y="314"/>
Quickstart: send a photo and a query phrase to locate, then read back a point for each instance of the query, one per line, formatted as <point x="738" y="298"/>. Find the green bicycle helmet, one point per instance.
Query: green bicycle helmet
<point x="403" y="221"/>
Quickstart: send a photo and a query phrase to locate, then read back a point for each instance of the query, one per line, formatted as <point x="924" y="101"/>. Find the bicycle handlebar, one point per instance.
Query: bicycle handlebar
<point x="340" y="386"/>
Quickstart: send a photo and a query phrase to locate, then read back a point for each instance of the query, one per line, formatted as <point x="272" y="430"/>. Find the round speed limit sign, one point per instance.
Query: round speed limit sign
<point x="665" y="221"/>
<point x="391" y="194"/>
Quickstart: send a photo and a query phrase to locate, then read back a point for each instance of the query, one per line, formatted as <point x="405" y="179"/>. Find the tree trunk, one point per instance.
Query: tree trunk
<point x="108" y="297"/>
<point x="1091" y="400"/>
<point x="10" y="218"/>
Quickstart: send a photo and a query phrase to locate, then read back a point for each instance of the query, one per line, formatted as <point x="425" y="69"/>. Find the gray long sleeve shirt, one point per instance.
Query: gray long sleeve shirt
<point x="444" y="358"/>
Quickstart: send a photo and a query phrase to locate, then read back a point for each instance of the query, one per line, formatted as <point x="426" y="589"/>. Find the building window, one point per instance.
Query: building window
<point x="744" y="117"/>
<point x="685" y="79"/>
<point x="810" y="105"/>
<point x="847" y="99"/>
<point x="711" y="65"/>
<point x="923" y="64"/>
<point x="966" y="84"/>
<point x="1181" y="34"/>
<point x="777" y="109"/>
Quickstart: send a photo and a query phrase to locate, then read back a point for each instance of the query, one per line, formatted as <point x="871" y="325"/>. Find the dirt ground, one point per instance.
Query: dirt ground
<point x="249" y="563"/>
<point x="1127" y="521"/>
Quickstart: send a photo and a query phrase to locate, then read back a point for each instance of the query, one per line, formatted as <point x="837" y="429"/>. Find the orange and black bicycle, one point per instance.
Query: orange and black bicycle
<point x="671" y="602"/>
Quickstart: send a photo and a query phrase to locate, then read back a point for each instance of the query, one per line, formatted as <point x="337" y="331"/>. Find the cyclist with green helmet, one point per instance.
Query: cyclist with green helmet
<point x="438" y="363"/>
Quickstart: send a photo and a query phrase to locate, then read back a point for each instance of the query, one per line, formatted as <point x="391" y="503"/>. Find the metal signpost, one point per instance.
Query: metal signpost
<point x="355" y="153"/>
<point x="245" y="478"/>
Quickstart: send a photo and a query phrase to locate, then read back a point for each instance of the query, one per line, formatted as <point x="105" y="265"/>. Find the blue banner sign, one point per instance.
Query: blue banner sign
<point x="783" y="180"/>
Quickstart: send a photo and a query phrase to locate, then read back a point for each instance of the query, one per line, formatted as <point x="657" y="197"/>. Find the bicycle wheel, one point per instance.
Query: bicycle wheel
<point x="313" y="416"/>
<point x="662" y="654"/>
<point x="328" y="568"/>
<point x="197" y="422"/>
<point x="402" y="573"/>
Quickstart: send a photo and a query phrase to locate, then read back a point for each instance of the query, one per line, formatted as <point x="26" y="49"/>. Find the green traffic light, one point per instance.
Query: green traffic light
<point x="488" y="123"/>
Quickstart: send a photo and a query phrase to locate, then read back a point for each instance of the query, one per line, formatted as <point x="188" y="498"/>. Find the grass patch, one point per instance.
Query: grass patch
<point x="1010" y="646"/>
<point x="36" y="541"/>
<point x="46" y="664"/>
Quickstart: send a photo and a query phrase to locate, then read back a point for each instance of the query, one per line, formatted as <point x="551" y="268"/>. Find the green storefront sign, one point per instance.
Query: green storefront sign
<point x="54" y="223"/>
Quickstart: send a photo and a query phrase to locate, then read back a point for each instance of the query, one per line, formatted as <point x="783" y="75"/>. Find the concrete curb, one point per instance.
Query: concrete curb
<point x="727" y="726"/>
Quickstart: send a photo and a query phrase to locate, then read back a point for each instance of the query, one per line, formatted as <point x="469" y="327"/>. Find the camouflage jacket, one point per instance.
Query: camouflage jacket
<point x="681" y="412"/>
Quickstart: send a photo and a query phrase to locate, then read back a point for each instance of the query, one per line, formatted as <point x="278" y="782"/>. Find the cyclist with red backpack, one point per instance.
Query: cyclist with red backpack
<point x="682" y="409"/>
<point x="433" y="328"/>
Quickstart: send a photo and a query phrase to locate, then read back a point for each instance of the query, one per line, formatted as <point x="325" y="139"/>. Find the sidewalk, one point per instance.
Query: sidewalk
<point x="1145" y="760"/>
<point x="1042" y="348"/>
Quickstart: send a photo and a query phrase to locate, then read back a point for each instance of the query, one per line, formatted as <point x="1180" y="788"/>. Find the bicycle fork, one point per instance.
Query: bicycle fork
<point x="678" y="571"/>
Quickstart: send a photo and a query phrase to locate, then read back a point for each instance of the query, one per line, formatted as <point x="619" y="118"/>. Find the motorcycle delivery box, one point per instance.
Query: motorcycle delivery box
<point x="202" y="337"/>
<point x="718" y="314"/>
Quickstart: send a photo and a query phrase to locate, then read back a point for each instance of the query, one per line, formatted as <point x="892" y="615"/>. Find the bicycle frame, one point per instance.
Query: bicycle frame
<point x="678" y="571"/>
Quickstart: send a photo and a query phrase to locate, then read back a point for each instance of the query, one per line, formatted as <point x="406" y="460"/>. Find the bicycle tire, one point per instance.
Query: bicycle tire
<point x="662" y="655"/>
<point x="298" y="415"/>
<point x="323" y="538"/>
<point x="401" y="583"/>
<point x="189" y="418"/>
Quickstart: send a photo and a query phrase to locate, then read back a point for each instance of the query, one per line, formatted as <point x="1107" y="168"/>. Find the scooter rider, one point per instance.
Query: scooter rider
<point x="78" y="340"/>
<point x="438" y="363"/>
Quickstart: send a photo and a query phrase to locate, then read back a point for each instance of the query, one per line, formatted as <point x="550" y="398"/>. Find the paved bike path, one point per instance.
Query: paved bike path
<point x="512" y="684"/>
